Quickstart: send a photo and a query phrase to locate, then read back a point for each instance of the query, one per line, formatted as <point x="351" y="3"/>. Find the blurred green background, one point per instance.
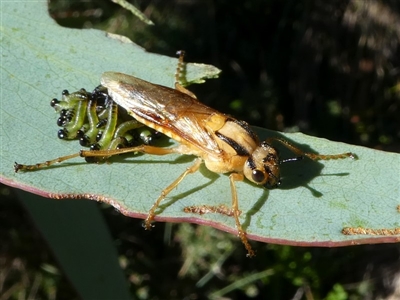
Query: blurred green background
<point x="326" y="68"/>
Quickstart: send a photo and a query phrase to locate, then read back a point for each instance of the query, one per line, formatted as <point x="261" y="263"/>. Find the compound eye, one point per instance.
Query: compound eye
<point x="258" y="176"/>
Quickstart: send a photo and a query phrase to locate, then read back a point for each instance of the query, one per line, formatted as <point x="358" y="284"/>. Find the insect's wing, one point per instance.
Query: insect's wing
<point x="169" y="111"/>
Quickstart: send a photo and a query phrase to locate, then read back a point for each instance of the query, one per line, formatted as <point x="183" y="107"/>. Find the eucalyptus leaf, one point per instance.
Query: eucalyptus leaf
<point x="315" y="201"/>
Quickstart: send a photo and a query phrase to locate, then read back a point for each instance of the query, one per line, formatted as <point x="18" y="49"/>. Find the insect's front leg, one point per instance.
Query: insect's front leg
<point x="232" y="211"/>
<point x="236" y="213"/>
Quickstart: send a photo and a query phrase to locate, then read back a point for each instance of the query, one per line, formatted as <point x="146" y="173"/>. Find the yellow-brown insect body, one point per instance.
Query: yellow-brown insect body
<point x="224" y="143"/>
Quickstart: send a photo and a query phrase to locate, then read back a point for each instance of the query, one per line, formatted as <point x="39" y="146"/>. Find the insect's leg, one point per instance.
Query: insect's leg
<point x="141" y="148"/>
<point x="370" y="231"/>
<point x="96" y="153"/>
<point x="19" y="167"/>
<point x="205" y="209"/>
<point x="167" y="190"/>
<point x="314" y="156"/>
<point x="179" y="74"/>
<point x="236" y="213"/>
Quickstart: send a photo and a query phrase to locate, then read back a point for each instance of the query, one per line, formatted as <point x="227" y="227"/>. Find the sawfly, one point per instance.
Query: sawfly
<point x="223" y="143"/>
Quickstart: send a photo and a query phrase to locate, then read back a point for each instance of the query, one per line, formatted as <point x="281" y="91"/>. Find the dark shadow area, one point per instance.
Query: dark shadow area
<point x="255" y="208"/>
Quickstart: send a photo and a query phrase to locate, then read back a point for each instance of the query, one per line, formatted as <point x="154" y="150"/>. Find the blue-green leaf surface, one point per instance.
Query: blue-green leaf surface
<point x="315" y="201"/>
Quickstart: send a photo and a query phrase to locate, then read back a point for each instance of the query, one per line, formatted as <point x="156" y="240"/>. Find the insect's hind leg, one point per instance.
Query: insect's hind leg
<point x="141" y="148"/>
<point x="180" y="70"/>
<point x="314" y="156"/>
<point x="167" y="190"/>
<point x="20" y="167"/>
<point x="96" y="153"/>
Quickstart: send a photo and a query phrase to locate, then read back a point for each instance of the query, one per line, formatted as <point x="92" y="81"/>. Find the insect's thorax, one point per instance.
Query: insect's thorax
<point x="236" y="142"/>
<point x="235" y="137"/>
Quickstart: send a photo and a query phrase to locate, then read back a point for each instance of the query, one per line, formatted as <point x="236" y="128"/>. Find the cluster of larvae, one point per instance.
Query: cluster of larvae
<point x="98" y="122"/>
